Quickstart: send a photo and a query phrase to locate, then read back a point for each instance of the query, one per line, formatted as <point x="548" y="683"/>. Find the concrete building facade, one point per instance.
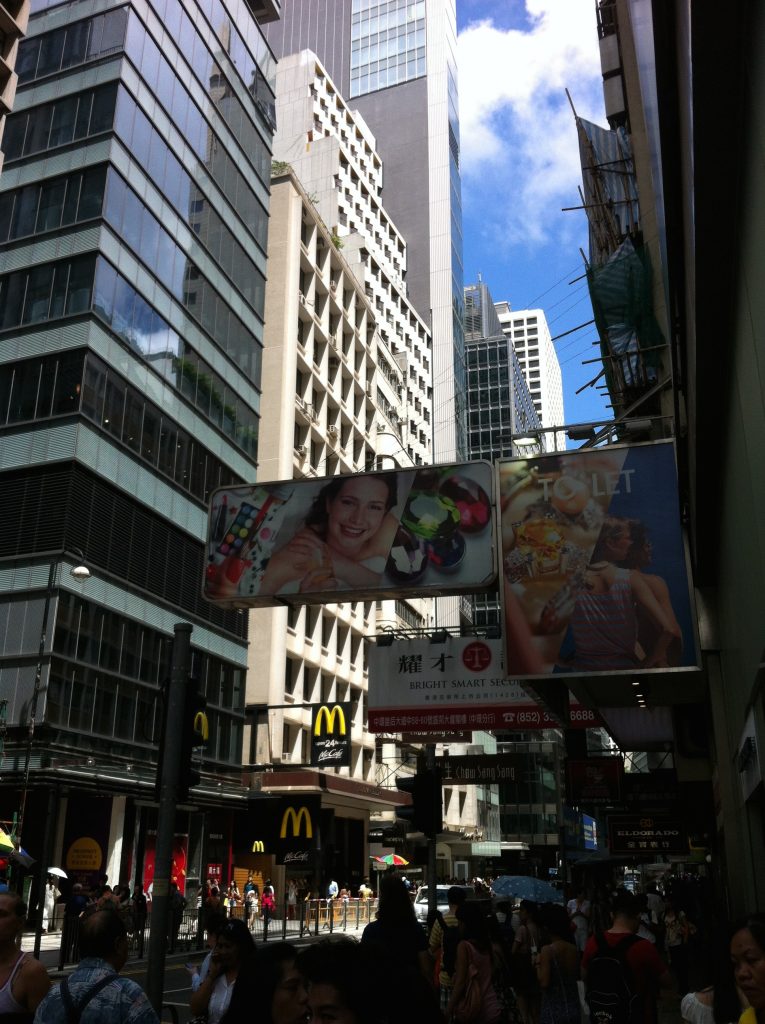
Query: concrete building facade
<point x="14" y="17"/>
<point x="396" y="64"/>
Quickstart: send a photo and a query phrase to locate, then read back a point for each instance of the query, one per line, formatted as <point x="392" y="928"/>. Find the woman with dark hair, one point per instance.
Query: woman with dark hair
<point x="747" y="953"/>
<point x="226" y="995"/>
<point x="352" y="983"/>
<point x="525" y="947"/>
<point x="282" y="995"/>
<point x="397" y="930"/>
<point x="346" y="539"/>
<point x="638" y="559"/>
<point x="475" y="959"/>
<point x="604" y="620"/>
<point x="557" y="966"/>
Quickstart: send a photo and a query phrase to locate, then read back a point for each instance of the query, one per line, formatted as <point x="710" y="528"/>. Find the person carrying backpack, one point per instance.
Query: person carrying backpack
<point x="443" y="940"/>
<point x="623" y="973"/>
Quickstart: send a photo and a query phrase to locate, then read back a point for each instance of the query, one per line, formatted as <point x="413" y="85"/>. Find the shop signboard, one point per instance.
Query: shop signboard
<point x="594" y="571"/>
<point x="589" y="832"/>
<point x="595" y="780"/>
<point x="481" y="769"/>
<point x="459" y="684"/>
<point x="641" y="834"/>
<point x="331" y="735"/>
<point x="357" y="536"/>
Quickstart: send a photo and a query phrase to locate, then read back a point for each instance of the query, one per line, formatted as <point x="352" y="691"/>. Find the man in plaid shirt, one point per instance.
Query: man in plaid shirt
<point x="95" y="989"/>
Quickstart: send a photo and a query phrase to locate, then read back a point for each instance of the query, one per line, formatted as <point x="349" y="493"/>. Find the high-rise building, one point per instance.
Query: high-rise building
<point x="395" y="62"/>
<point x="14" y="16"/>
<point x="530" y="335"/>
<point x="133" y="220"/>
<point x="500" y="404"/>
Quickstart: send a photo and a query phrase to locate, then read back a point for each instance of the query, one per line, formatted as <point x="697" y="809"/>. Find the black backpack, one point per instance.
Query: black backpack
<point x="611" y="991"/>
<point x="450" y="937"/>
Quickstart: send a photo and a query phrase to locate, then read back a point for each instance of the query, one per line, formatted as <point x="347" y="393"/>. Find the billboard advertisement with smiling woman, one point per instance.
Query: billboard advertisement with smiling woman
<point x="355" y="536"/>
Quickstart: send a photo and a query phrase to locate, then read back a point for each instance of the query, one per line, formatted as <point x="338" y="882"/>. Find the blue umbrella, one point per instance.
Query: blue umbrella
<point x="524" y="887"/>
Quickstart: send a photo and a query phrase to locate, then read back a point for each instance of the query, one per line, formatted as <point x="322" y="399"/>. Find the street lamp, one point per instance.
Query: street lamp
<point x="79" y="572"/>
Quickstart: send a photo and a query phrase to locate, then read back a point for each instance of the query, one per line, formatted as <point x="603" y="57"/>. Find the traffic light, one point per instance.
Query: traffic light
<point x="425" y="811"/>
<point x="195" y="732"/>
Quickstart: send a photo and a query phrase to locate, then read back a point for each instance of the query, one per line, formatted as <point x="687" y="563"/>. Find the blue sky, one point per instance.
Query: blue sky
<point x="520" y="166"/>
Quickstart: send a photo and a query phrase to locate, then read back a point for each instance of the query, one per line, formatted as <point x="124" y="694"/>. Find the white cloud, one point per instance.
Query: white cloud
<point x="518" y="136"/>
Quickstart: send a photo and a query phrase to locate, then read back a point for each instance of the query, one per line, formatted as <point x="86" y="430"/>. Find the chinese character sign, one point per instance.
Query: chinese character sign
<point x="352" y="536"/>
<point x="594" y="570"/>
<point x="415" y="685"/>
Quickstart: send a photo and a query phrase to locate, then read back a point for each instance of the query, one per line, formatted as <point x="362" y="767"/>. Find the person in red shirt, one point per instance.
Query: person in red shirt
<point x="649" y="972"/>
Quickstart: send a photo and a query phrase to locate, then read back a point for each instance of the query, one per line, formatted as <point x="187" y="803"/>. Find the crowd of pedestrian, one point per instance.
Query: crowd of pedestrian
<point x="541" y="965"/>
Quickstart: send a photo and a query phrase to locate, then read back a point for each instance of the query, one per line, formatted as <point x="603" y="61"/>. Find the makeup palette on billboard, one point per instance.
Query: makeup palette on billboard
<point x="594" y="569"/>
<point x="363" y="535"/>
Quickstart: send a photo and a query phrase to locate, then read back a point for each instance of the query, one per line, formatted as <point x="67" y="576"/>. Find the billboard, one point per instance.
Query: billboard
<point x="594" y="569"/>
<point x="331" y="735"/>
<point x="458" y="685"/>
<point x="359" y="536"/>
<point x="596" y="780"/>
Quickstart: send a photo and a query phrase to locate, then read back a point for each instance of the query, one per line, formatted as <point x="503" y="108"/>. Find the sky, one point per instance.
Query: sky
<point x="520" y="166"/>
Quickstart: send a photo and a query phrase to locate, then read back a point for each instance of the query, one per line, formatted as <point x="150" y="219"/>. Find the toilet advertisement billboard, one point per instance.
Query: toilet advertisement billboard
<point x="593" y="565"/>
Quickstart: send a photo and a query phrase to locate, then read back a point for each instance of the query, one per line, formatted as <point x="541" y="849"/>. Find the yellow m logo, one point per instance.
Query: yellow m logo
<point x="258" y="846"/>
<point x="296" y="817"/>
<point x="201" y="726"/>
<point x="330" y="716"/>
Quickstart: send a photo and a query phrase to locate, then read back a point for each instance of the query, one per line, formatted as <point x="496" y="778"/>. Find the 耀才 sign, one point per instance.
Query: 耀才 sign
<point x="459" y="685"/>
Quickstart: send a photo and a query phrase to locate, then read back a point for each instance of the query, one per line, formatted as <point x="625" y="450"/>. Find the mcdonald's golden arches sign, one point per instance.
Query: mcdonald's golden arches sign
<point x="331" y="735"/>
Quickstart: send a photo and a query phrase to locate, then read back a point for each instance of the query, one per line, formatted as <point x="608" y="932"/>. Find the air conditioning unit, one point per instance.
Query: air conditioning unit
<point x="301" y="449"/>
<point x="333" y="339"/>
<point x="301" y="297"/>
<point x="333" y="284"/>
<point x="370" y="391"/>
<point x="332" y="431"/>
<point x="285" y="758"/>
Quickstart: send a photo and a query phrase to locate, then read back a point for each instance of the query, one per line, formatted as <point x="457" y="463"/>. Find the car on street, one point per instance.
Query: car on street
<point x="421" y="900"/>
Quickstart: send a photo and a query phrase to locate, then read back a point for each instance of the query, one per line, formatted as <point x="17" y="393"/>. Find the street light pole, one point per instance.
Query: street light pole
<point x="172" y="744"/>
<point x="79" y="572"/>
<point x="35" y="699"/>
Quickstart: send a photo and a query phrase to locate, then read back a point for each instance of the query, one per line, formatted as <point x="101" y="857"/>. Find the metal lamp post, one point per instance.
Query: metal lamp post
<point x="78" y="572"/>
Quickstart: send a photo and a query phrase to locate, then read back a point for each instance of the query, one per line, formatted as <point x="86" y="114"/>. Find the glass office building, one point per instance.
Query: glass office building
<point x="133" y="230"/>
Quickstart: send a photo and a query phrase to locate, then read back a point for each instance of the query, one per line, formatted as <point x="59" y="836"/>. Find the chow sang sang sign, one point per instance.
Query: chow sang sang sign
<point x="352" y="537"/>
<point x="594" y="569"/>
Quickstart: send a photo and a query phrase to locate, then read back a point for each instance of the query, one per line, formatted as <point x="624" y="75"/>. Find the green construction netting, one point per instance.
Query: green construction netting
<point x="630" y="338"/>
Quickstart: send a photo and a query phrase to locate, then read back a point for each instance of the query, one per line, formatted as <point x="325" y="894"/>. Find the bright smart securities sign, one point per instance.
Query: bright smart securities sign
<point x="458" y="685"/>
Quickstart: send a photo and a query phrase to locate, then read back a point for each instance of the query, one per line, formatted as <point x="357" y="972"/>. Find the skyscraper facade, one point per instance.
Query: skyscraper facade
<point x="395" y="62"/>
<point x="133" y="220"/>
<point x="500" y="402"/>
